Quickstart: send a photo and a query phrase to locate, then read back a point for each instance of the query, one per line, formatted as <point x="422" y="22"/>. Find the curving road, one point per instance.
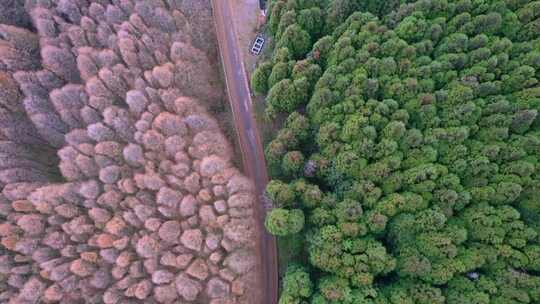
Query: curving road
<point x="249" y="138"/>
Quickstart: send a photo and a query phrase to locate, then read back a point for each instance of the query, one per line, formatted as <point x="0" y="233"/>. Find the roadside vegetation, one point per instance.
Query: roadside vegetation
<point x="407" y="170"/>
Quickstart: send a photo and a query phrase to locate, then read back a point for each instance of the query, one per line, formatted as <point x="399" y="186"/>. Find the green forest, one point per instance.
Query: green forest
<point x="406" y="170"/>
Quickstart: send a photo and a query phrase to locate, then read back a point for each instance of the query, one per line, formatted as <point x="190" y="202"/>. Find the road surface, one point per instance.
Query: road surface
<point x="249" y="139"/>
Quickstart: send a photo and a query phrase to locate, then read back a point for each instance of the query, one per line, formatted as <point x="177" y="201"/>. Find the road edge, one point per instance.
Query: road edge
<point x="266" y="242"/>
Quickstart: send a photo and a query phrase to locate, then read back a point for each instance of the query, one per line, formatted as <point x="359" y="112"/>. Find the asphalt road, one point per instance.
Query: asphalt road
<point x="249" y="139"/>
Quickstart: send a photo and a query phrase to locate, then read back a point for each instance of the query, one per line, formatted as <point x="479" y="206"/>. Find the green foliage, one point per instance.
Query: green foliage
<point x="322" y="49"/>
<point x="338" y="11"/>
<point x="259" y="78"/>
<point x="309" y="195"/>
<point x="279" y="72"/>
<point x="311" y="20"/>
<point x="276" y="9"/>
<point x="334" y="288"/>
<point x="416" y="156"/>
<point x="281" y="55"/>
<point x="297" y="283"/>
<point x="296" y="39"/>
<point x="286" y="96"/>
<point x="411" y="292"/>
<point x="298" y="125"/>
<point x="293" y="164"/>
<point x="348" y="211"/>
<point x="283" y="222"/>
<point x="280" y="193"/>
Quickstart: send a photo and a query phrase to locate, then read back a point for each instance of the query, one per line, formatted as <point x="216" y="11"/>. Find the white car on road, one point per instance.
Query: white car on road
<point x="257" y="45"/>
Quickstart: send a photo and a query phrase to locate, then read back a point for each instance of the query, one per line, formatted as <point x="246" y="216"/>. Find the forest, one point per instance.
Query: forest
<point x="406" y="169"/>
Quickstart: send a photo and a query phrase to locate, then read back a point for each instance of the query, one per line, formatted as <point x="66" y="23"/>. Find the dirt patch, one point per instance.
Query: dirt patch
<point x="249" y="23"/>
<point x="247" y="20"/>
